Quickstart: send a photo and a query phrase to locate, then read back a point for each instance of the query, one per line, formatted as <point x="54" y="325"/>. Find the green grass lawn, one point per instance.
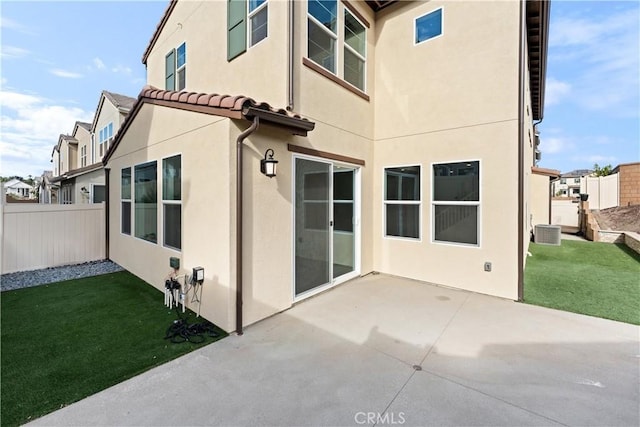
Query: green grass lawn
<point x="598" y="279"/>
<point x="65" y="341"/>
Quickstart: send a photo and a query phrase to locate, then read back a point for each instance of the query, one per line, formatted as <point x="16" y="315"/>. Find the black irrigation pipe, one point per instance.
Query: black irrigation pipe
<point x="181" y="331"/>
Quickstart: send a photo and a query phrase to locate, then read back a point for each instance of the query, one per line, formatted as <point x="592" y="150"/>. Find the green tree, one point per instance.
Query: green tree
<point x="602" y="171"/>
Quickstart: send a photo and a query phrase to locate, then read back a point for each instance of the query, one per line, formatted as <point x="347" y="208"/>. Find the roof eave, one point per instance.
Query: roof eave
<point x="295" y="125"/>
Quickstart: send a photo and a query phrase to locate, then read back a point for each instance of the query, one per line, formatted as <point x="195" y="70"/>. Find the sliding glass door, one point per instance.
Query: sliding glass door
<point x="325" y="224"/>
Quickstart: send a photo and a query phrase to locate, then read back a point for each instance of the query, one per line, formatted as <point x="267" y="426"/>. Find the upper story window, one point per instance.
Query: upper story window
<point x="563" y="180"/>
<point x="239" y="30"/>
<point x="576" y="180"/>
<point x="330" y="30"/>
<point x="83" y="156"/>
<point x="428" y="26"/>
<point x="176" y="68"/>
<point x="106" y="134"/>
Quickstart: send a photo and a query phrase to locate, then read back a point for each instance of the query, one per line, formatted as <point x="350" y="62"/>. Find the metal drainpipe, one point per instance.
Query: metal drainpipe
<point x="521" y="153"/>
<point x="239" y="162"/>
<point x="290" y="89"/>
<point x="106" y="213"/>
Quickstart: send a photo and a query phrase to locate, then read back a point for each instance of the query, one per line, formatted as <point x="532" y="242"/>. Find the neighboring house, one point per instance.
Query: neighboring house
<point x="568" y="185"/>
<point x="48" y="192"/>
<point x="403" y="131"/>
<point x="85" y="182"/>
<point x="18" y="188"/>
<point x="629" y="182"/>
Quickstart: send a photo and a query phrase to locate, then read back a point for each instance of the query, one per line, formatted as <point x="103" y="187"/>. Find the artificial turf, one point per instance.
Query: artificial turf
<point x="65" y="341"/>
<point x="597" y="279"/>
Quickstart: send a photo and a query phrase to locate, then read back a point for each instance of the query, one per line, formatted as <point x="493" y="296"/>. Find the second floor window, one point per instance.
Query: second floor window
<point x="83" y="156"/>
<point x="106" y="134"/>
<point x="176" y="68"/>
<point x="247" y="21"/>
<point x="324" y="40"/>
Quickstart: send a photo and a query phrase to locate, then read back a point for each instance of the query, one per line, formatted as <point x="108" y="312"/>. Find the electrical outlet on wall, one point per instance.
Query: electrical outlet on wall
<point x="487" y="266"/>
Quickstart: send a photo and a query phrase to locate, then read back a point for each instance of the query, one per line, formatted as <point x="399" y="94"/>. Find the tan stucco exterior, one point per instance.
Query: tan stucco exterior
<point x="450" y="99"/>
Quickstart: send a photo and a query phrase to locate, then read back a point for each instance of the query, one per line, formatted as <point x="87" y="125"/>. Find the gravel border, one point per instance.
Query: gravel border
<point x="27" y="279"/>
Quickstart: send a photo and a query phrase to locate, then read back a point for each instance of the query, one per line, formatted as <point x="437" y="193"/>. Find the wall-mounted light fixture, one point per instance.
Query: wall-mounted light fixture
<point x="268" y="165"/>
<point x="84" y="190"/>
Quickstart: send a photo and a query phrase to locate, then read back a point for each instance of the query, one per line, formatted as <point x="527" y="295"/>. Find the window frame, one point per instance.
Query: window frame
<point x="170" y="202"/>
<point x="386" y="202"/>
<point x="92" y="195"/>
<point x="250" y="15"/>
<point x="176" y="70"/>
<point x="133" y="196"/>
<point x="340" y="45"/>
<point x="415" y="26"/>
<point x="123" y="200"/>
<point x="477" y="203"/>
<point x="83" y="156"/>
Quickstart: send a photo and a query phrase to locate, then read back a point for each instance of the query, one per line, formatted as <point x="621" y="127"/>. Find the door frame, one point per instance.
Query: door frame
<point x="357" y="229"/>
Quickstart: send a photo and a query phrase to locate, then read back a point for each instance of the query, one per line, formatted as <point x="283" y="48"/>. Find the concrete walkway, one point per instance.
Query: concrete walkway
<point x="393" y="352"/>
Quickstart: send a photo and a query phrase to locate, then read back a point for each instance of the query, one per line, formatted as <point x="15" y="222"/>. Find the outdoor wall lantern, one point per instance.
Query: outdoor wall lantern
<point x="268" y="165"/>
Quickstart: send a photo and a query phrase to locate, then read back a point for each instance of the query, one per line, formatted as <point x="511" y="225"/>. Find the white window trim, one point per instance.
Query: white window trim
<point x="133" y="203"/>
<point x="92" y="192"/>
<point x="352" y="50"/>
<point x="456" y="203"/>
<point x="415" y="26"/>
<point x="402" y="202"/>
<point x="340" y="44"/>
<point x="130" y="200"/>
<point x="170" y="202"/>
<point x="251" y="14"/>
<point x="182" y="67"/>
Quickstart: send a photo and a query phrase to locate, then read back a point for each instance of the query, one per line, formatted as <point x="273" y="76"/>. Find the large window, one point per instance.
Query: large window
<point x="323" y="22"/>
<point x="176" y="68"/>
<point x="428" y="26"/>
<point x="146" y="201"/>
<point x="456" y="202"/>
<point x="98" y="193"/>
<point x="245" y="16"/>
<point x="106" y="134"/>
<point x="402" y="201"/>
<point x="172" y="202"/>
<point x="125" y="201"/>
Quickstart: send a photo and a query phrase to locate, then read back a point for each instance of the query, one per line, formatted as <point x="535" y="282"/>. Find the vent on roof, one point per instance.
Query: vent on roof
<point x="547" y="234"/>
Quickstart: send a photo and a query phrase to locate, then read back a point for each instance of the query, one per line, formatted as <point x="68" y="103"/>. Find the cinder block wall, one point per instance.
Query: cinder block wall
<point x="630" y="184"/>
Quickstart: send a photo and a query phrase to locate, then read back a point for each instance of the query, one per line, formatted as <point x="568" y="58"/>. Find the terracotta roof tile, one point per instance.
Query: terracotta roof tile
<point x="237" y="107"/>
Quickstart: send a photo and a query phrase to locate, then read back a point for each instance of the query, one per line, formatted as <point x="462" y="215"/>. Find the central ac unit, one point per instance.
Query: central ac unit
<point x="547" y="234"/>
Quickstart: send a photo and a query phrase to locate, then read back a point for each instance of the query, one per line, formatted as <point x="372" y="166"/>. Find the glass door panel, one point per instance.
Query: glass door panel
<point x="343" y="221"/>
<point x="312" y="225"/>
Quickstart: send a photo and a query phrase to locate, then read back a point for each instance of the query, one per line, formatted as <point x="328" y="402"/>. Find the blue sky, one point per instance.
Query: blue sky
<point x="58" y="56"/>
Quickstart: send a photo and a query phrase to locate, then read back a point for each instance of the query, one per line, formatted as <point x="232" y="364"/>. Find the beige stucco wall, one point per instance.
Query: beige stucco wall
<point x="540" y="200"/>
<point x="451" y="98"/>
<point x="259" y="73"/>
<point x="203" y="142"/>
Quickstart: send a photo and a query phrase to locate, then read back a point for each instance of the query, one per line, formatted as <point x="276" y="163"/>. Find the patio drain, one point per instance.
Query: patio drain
<point x="417" y="367"/>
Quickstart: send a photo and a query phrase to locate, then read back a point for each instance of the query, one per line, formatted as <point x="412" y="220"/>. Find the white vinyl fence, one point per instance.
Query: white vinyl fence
<point x="39" y="236"/>
<point x="565" y="212"/>
<point x="603" y="191"/>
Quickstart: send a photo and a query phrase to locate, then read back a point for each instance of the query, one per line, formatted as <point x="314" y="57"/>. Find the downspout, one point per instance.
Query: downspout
<point x="106" y="213"/>
<point x="239" y="162"/>
<point x="535" y="125"/>
<point x="521" y="86"/>
<point x="290" y="89"/>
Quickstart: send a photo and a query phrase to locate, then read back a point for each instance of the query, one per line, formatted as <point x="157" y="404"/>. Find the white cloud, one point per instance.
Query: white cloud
<point x="601" y="55"/>
<point x="555" y="144"/>
<point x="65" y="74"/>
<point x="30" y="126"/>
<point x="97" y="62"/>
<point x="9" y="24"/>
<point x="555" y="91"/>
<point x="122" y="69"/>
<point x="13" y="52"/>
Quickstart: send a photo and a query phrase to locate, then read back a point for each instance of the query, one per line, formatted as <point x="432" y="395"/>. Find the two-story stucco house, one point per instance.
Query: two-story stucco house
<point x="569" y="183"/>
<point x="81" y="176"/>
<point x="394" y="125"/>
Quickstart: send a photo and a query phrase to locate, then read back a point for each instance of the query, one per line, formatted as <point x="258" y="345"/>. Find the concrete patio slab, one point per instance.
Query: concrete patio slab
<point x="347" y="356"/>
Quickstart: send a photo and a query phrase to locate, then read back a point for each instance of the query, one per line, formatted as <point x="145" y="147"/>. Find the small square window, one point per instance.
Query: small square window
<point x="428" y="26"/>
